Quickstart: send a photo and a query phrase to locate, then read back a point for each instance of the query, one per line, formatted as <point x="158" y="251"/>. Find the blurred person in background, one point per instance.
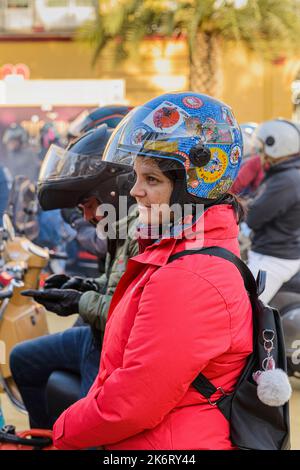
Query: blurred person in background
<point x="48" y="135"/>
<point x="251" y="172"/>
<point x="19" y="157"/>
<point x="274" y="214"/>
<point x="86" y="251"/>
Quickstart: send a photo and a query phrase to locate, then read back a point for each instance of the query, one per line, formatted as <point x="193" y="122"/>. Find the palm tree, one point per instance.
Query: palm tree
<point x="267" y="26"/>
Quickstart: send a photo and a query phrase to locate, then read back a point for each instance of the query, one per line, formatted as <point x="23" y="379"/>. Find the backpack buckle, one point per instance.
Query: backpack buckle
<point x="261" y="282"/>
<point x="224" y="394"/>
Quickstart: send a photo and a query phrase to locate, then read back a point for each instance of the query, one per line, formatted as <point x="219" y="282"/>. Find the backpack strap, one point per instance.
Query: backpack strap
<point x="246" y="274"/>
<point x="201" y="383"/>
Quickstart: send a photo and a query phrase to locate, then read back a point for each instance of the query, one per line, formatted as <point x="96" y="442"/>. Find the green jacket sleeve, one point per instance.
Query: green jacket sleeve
<point x="101" y="281"/>
<point x="93" y="308"/>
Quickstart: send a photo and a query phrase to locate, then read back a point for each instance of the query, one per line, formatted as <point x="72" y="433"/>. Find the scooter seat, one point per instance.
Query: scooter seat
<point x="63" y="389"/>
<point x="293" y="285"/>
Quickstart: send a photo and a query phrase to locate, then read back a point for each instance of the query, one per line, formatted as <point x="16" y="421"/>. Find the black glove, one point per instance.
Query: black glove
<point x="61" y="281"/>
<point x="81" y="284"/>
<point x="56" y="281"/>
<point x="60" y="301"/>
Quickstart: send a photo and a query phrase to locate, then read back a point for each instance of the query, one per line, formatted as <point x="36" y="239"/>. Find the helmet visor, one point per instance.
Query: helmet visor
<point x="168" y="132"/>
<point x="60" y="164"/>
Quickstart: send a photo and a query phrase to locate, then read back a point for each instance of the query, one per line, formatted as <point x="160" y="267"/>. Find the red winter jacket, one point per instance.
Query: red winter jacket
<point x="167" y="323"/>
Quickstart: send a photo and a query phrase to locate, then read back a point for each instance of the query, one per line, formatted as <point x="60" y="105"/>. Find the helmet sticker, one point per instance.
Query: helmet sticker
<point x="217" y="133"/>
<point x="193" y="125"/>
<point x="161" y="145"/>
<point x="138" y="135"/>
<point x="216" y="167"/>
<point x="228" y="116"/>
<point x="235" y="155"/>
<point x="192" y="178"/>
<point x="192" y="102"/>
<point x="187" y="160"/>
<point x="166" y="118"/>
<point x="221" y="187"/>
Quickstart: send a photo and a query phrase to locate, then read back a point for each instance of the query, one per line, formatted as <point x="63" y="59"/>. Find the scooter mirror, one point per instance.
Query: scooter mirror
<point x="8" y="227"/>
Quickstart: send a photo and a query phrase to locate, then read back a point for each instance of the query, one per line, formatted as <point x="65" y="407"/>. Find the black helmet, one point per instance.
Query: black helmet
<point x="110" y="115"/>
<point x="68" y="176"/>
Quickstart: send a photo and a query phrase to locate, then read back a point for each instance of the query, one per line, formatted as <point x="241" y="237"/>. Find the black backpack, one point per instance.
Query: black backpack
<point x="253" y="425"/>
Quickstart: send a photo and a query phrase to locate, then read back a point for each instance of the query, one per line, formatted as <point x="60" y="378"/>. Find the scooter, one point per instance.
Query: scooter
<point x="20" y="317"/>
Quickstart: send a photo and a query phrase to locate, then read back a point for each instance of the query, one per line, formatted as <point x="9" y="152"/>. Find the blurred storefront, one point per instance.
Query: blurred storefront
<point x="256" y="89"/>
<point x="44" y="15"/>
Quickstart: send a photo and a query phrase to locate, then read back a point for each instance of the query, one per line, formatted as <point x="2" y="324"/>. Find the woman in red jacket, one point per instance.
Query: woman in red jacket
<point x="170" y="321"/>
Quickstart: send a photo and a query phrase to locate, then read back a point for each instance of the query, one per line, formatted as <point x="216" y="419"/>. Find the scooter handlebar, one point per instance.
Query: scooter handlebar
<point x="8" y="291"/>
<point x="57" y="255"/>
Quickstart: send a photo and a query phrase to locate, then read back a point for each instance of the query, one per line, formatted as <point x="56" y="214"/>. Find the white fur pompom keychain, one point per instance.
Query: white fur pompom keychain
<point x="273" y="386"/>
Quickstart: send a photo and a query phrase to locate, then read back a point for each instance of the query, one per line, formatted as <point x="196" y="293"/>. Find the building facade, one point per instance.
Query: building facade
<point x="41" y="35"/>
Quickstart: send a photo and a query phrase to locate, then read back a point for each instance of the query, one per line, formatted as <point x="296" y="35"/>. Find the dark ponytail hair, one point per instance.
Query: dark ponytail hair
<point x="236" y="203"/>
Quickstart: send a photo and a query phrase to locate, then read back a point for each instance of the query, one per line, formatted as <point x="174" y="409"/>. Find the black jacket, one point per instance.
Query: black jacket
<point x="274" y="215"/>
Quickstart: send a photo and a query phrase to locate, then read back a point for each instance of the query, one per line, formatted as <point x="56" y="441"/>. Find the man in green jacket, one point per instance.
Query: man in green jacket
<point x="75" y="349"/>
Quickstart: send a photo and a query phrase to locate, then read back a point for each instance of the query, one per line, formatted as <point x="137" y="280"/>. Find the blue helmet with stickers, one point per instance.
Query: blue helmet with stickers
<point x="197" y="131"/>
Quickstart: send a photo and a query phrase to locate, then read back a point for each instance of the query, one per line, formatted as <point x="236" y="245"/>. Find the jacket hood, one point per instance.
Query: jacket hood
<point x="215" y="226"/>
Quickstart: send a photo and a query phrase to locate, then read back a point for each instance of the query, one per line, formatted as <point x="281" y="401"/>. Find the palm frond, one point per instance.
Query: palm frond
<point x="268" y="26"/>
